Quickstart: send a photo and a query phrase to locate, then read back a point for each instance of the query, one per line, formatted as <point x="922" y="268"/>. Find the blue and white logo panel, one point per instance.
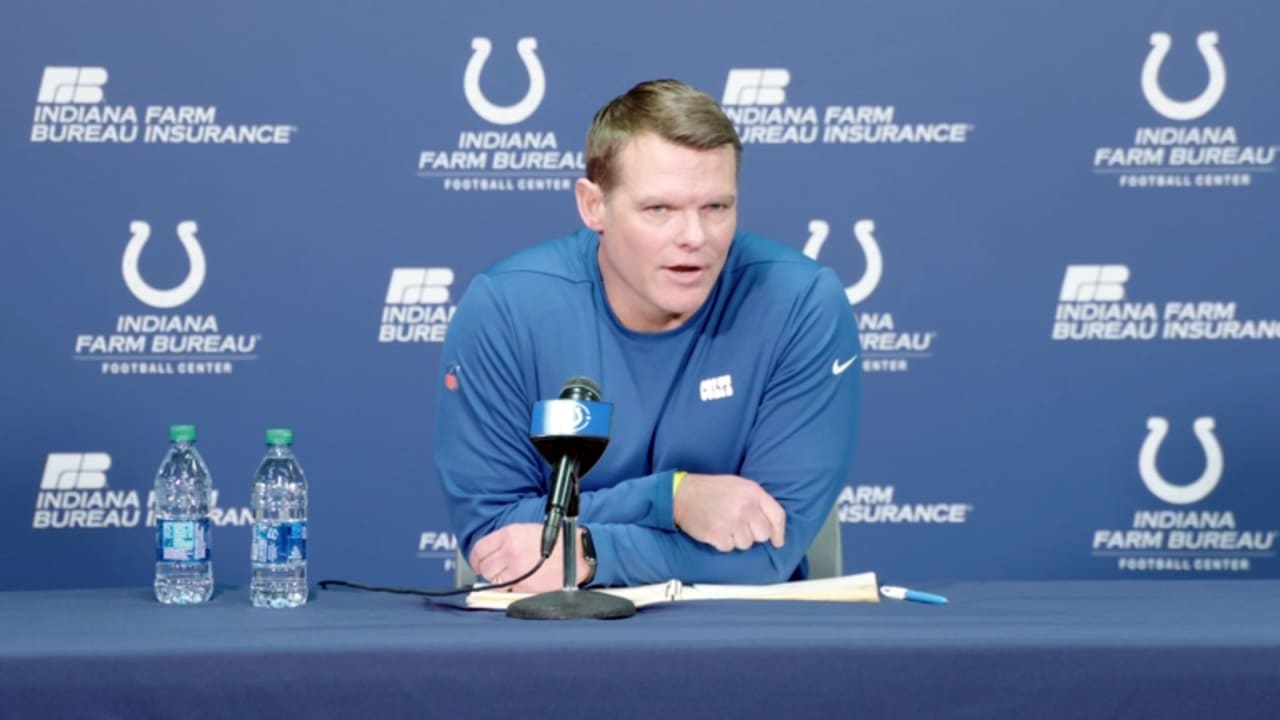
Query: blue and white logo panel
<point x="571" y="418"/>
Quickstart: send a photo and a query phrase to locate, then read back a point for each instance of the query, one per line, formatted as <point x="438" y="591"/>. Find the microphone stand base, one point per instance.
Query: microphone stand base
<point x="571" y="605"/>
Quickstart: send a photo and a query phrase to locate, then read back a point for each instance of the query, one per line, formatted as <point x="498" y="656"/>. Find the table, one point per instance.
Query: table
<point x="1106" y="649"/>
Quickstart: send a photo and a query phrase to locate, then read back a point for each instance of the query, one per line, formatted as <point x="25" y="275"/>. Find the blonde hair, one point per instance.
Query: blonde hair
<point x="670" y="109"/>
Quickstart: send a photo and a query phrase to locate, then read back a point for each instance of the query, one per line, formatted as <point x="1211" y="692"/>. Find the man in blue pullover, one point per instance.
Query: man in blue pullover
<point x="731" y="362"/>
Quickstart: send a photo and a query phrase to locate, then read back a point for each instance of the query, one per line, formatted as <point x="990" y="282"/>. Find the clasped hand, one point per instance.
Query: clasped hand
<point x="728" y="512"/>
<point x="511" y="551"/>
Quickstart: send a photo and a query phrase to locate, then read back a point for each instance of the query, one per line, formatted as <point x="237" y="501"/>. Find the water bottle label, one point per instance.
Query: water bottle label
<point x="182" y="540"/>
<point x="279" y="544"/>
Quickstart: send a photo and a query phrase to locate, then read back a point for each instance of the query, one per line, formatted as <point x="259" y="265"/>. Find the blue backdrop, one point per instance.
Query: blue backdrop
<point x="1058" y="222"/>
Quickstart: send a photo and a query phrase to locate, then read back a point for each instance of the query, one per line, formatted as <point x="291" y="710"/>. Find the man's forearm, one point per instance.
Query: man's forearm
<point x="635" y="555"/>
<point x="642" y="501"/>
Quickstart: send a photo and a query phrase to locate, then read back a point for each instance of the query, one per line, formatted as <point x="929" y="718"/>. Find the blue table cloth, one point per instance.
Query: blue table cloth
<point x="1069" y="650"/>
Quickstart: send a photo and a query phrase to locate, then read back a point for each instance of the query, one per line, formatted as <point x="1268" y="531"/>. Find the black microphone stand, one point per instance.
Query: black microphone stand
<point x="571" y="603"/>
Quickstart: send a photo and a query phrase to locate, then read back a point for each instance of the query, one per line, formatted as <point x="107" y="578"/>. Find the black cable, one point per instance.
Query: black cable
<point x="325" y="584"/>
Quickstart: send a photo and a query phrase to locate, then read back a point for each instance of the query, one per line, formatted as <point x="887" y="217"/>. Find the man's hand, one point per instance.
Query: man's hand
<point x="509" y="552"/>
<point x="728" y="512"/>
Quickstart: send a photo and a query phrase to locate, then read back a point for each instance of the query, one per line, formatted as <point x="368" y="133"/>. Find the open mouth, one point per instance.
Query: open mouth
<point x="685" y="275"/>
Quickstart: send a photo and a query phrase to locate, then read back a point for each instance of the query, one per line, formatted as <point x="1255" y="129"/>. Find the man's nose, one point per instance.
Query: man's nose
<point x="692" y="233"/>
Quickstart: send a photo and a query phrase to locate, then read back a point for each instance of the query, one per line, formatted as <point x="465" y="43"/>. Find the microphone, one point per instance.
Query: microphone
<point x="571" y="433"/>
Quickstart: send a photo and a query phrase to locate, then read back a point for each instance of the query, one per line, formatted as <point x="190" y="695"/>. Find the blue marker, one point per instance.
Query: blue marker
<point x="901" y="593"/>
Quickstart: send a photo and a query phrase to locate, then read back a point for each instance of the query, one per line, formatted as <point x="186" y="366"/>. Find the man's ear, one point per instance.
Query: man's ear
<point x="590" y="203"/>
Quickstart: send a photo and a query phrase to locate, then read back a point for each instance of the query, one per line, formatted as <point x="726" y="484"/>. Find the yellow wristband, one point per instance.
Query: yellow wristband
<point x="676" y="480"/>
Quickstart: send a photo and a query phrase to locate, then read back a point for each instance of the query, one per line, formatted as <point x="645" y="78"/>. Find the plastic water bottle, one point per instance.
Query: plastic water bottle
<point x="279" y="548"/>
<point x="184" y="488"/>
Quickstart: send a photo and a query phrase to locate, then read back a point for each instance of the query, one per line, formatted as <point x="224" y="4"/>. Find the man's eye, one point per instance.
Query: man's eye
<point x="656" y="209"/>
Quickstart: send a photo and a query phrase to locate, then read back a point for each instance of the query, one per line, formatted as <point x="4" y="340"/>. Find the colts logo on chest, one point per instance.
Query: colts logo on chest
<point x="716" y="388"/>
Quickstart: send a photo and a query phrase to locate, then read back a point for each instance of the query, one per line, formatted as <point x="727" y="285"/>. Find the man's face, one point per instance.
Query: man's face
<point x="665" y="229"/>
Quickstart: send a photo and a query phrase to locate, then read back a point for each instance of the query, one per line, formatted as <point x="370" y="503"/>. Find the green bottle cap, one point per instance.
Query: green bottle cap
<point x="182" y="433"/>
<point x="279" y="436"/>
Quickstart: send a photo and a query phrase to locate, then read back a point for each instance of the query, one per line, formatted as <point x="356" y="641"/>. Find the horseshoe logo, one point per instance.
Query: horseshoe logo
<point x="173" y="297"/>
<point x="1157" y="428"/>
<point x="510" y="114"/>
<point x="862" y="229"/>
<point x="1189" y="109"/>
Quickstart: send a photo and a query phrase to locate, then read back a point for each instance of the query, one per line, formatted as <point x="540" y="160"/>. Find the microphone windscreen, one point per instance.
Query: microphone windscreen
<point x="581" y="388"/>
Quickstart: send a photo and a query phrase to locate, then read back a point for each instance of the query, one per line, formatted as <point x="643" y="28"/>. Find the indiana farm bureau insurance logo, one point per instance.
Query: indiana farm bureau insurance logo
<point x="418" y="307"/>
<point x="1093" y="304"/>
<point x="1176" y="534"/>
<point x="72" y="107"/>
<point x="506" y="155"/>
<point x="74" y="494"/>
<point x="757" y="102"/>
<point x="1186" y="153"/>
<point x="166" y="343"/>
<point x="880" y="505"/>
<point x="887" y="346"/>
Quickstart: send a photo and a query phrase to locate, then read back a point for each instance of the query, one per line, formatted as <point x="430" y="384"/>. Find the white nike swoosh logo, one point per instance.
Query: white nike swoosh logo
<point x="838" y="367"/>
